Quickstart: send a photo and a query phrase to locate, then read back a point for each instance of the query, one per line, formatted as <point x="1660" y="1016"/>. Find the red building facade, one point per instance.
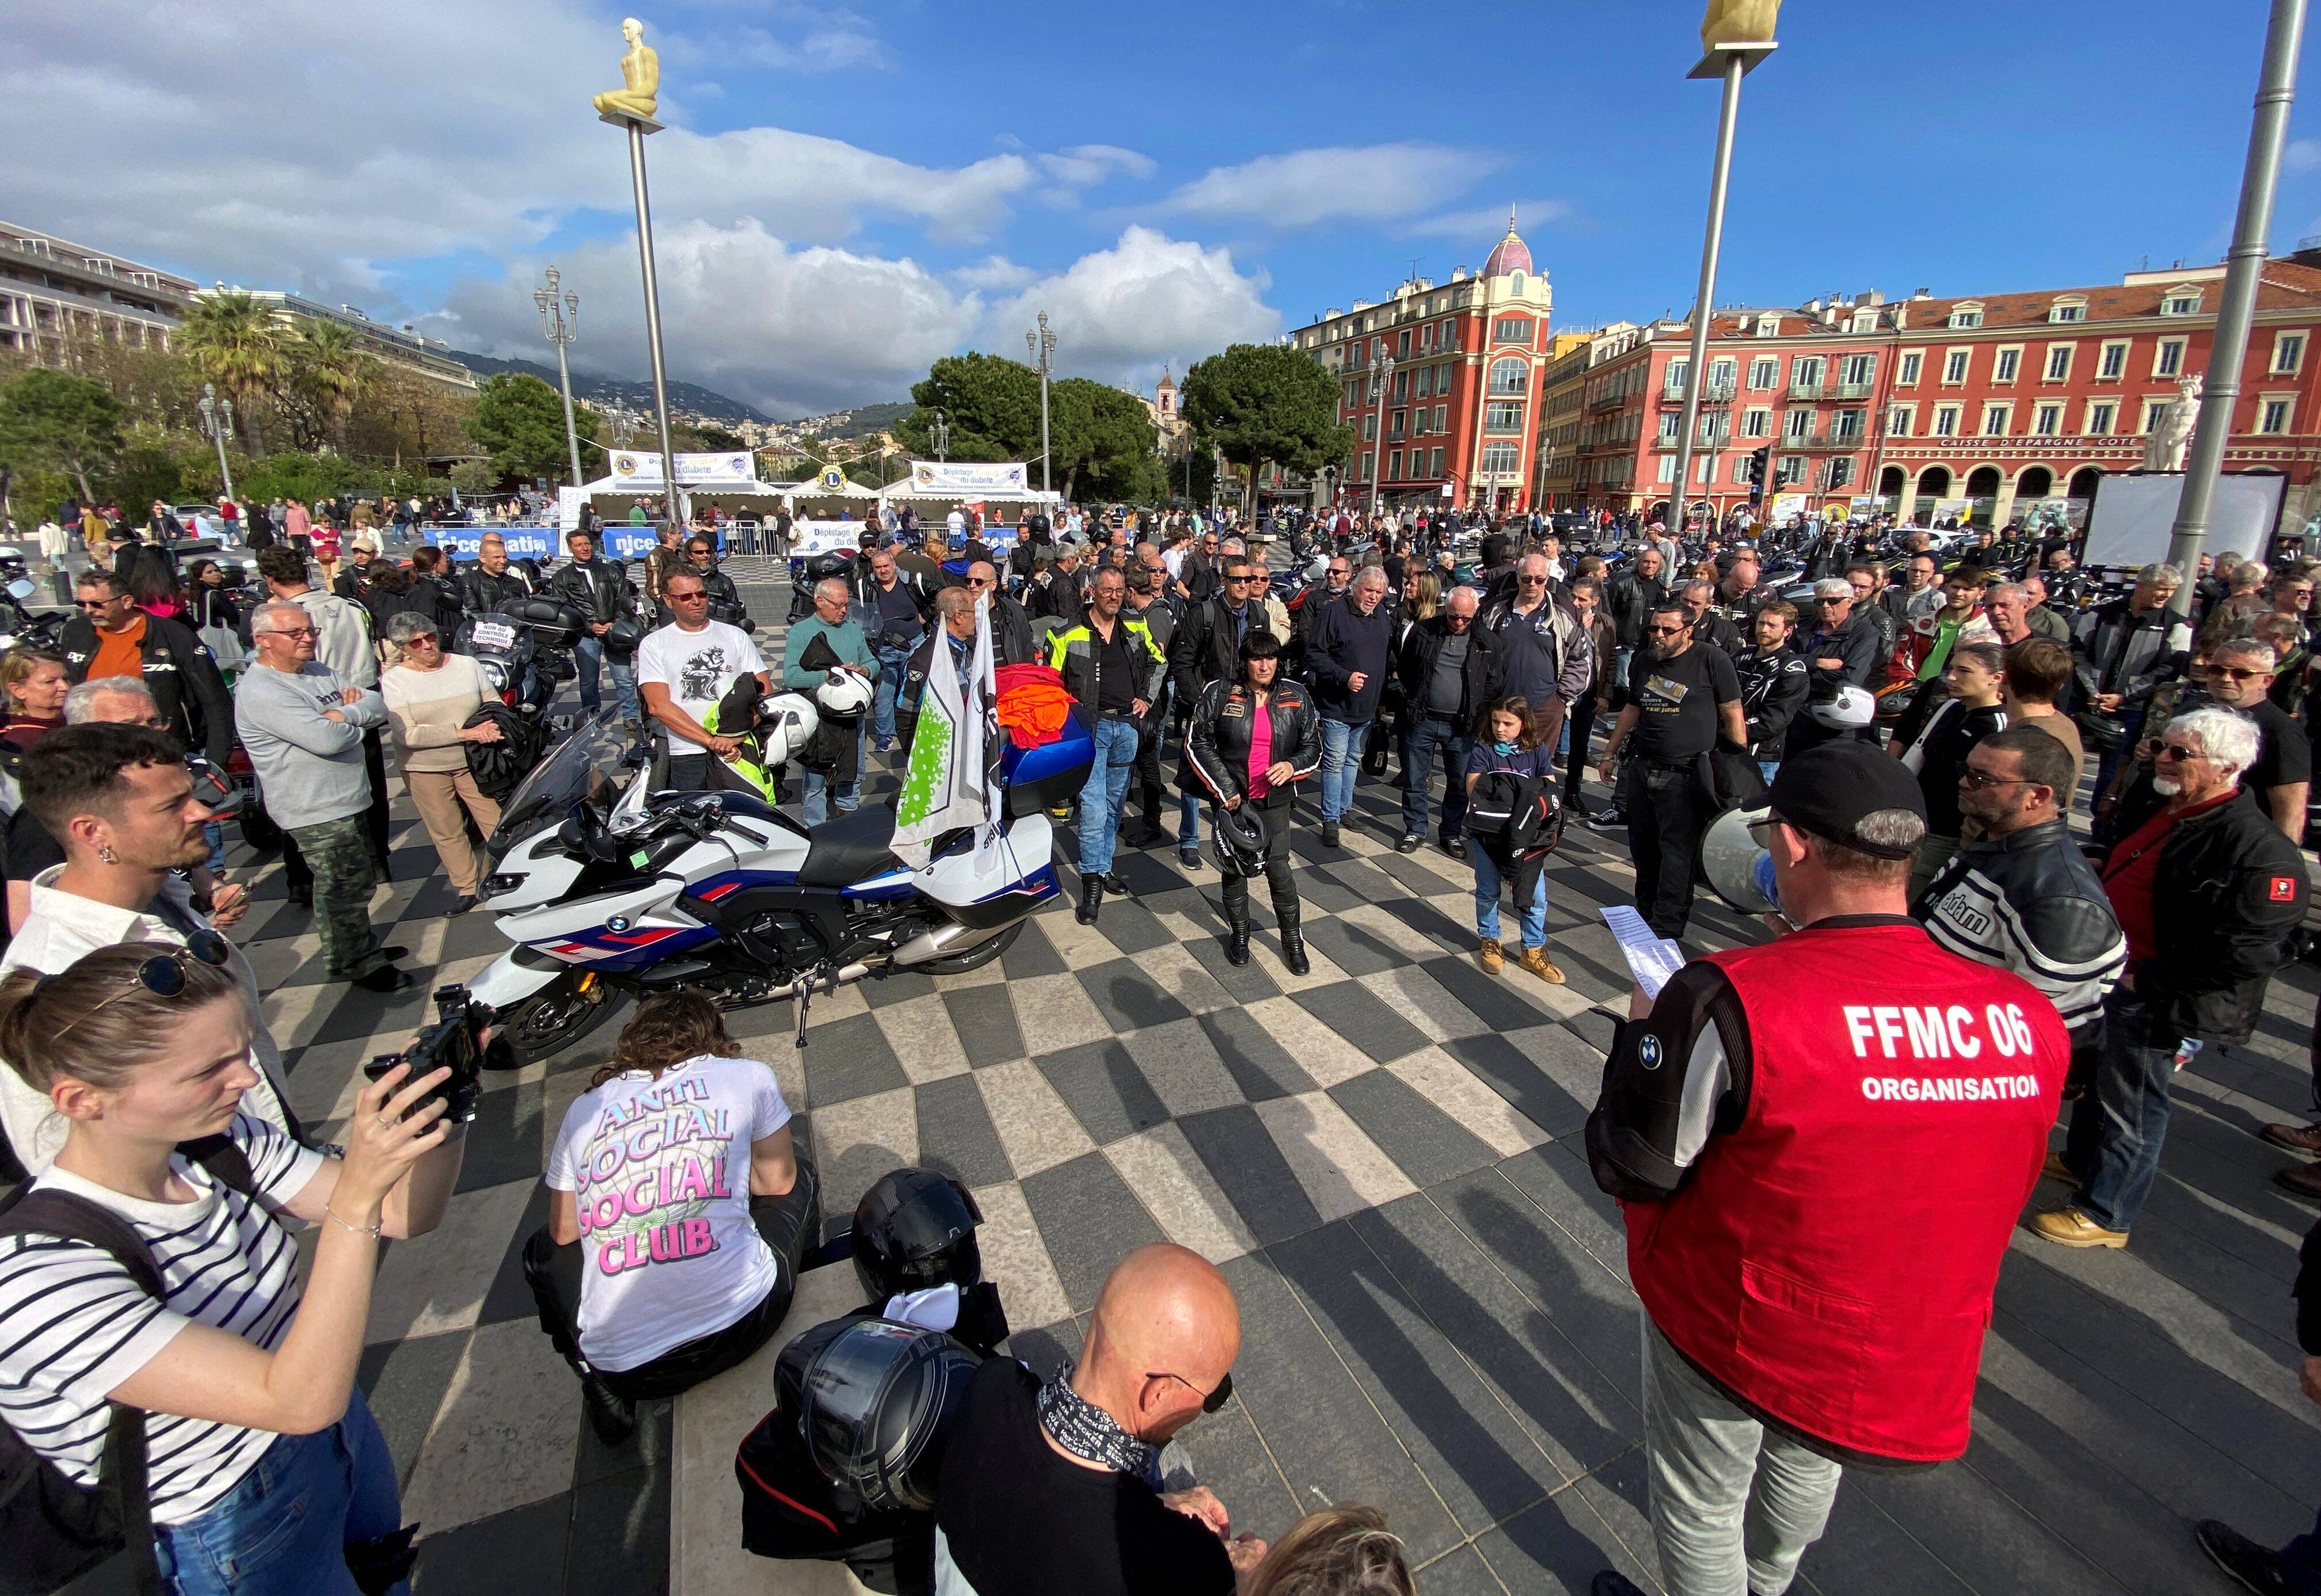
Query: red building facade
<point x="1980" y="407"/>
<point x="1441" y="383"/>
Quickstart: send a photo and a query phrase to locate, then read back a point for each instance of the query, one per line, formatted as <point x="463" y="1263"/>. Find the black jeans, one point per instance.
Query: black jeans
<point x="790" y="1224"/>
<point x="1278" y="879"/>
<point x="1582" y="722"/>
<point x="1667" y="809"/>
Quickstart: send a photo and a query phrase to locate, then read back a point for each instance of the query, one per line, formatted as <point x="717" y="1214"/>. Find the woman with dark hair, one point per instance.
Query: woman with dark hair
<point x="678" y="1211"/>
<point x="267" y="1474"/>
<point x="1935" y="748"/>
<point x="153" y="584"/>
<point x="1252" y="739"/>
<point x="1506" y="739"/>
<point x="212" y="601"/>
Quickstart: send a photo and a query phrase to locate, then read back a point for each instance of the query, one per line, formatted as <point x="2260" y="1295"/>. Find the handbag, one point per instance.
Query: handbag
<point x="1734" y="781"/>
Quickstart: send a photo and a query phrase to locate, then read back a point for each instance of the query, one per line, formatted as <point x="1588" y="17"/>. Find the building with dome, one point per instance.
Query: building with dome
<point x="1439" y="381"/>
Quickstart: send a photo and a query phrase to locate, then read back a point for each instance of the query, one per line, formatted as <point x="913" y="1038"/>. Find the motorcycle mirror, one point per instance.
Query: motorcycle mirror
<point x="571" y="838"/>
<point x="21" y="588"/>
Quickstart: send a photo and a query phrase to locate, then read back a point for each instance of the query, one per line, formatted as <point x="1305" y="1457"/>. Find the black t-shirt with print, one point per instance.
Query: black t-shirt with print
<point x="1677" y="700"/>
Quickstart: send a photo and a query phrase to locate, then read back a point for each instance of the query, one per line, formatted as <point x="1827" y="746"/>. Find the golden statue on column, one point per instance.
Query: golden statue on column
<point x="1738" y="21"/>
<point x="639" y="75"/>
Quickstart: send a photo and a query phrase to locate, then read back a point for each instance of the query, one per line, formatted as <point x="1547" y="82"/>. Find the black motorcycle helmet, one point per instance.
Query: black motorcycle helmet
<point x="621" y="638"/>
<point x="872" y="1401"/>
<point x="913" y="1229"/>
<point x="1241" y="838"/>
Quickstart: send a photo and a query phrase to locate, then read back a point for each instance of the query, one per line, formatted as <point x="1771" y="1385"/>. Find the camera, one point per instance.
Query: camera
<point x="456" y="1041"/>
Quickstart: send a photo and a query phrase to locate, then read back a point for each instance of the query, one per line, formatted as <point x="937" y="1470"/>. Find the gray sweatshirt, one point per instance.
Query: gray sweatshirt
<point x="310" y="768"/>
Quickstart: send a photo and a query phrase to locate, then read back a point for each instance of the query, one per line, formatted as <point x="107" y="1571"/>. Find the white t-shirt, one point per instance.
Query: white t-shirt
<point x="697" y="666"/>
<point x="659" y="1170"/>
<point x="74" y="1324"/>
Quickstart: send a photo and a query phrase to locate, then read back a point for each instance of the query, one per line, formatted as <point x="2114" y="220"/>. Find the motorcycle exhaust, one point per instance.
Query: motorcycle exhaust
<point x="927" y="944"/>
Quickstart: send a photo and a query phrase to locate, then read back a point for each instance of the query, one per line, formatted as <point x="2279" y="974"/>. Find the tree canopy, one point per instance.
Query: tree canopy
<point x="1101" y="441"/>
<point x="55" y="421"/>
<point x="519" y="419"/>
<point x="1267" y="404"/>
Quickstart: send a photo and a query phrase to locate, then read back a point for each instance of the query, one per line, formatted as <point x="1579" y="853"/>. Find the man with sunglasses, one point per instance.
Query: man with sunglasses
<point x="305" y="729"/>
<point x="120" y="801"/>
<point x="2238" y="675"/>
<point x="1820" y="1146"/>
<point x="1057" y="1489"/>
<point x="112" y="637"/>
<point x="1681" y="698"/>
<point x="2021" y="896"/>
<point x="685" y="667"/>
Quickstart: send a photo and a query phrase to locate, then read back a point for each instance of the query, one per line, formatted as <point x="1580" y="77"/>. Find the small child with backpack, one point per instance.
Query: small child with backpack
<point x="1511" y="805"/>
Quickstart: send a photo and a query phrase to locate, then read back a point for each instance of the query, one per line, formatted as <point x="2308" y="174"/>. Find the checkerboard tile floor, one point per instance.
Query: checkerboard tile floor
<point x="1383" y="1156"/>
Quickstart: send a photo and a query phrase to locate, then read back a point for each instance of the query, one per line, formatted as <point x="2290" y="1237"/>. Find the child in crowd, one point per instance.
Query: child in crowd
<point x="1507" y="739"/>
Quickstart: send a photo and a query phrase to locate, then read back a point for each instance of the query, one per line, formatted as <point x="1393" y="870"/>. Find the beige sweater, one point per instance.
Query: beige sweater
<point x="428" y="707"/>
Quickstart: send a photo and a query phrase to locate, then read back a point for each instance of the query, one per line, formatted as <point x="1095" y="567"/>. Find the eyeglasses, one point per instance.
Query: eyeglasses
<point x="1531" y="579"/>
<point x="2170" y="750"/>
<point x="2239" y="672"/>
<point x="425" y="639"/>
<point x="978" y="581"/>
<point x="686" y="598"/>
<point x="1824" y="598"/>
<point x="1979" y="779"/>
<point x="102" y="604"/>
<point x="1241" y="579"/>
<point x="292" y="631"/>
<point x="1210" y="1401"/>
<point x="1663" y="631"/>
<point x="164" y="974"/>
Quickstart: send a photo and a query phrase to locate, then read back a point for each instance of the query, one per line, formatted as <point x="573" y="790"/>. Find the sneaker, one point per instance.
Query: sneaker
<point x="1535" y="960"/>
<point x="1456" y="847"/>
<point x="384" y="979"/>
<point x="1608" y="819"/>
<point x="613" y="1418"/>
<point x="1329" y="833"/>
<point x="2068" y="1227"/>
<point x="2255" y="1566"/>
<point x="1410" y="843"/>
<point x="884" y="745"/>
<point x="1489" y="957"/>
<point x="1189" y="855"/>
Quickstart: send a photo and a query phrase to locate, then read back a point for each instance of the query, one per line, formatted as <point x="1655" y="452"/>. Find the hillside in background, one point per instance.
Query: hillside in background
<point x="689" y="398"/>
<point x="858" y="422"/>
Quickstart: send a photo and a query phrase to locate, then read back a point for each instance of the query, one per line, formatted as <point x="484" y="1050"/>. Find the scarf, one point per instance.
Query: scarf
<point x="1089" y="1433"/>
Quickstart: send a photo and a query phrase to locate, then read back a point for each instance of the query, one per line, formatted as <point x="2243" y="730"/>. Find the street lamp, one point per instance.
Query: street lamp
<point x="1731" y="60"/>
<point x="217" y="421"/>
<point x="939" y="434"/>
<point x="559" y="318"/>
<point x="1383" y="375"/>
<point x="1042" y="342"/>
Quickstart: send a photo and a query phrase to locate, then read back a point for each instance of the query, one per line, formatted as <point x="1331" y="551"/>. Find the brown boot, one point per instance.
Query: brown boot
<point x="1536" y="961"/>
<point x="1489" y="957"/>
<point x="2301" y="1139"/>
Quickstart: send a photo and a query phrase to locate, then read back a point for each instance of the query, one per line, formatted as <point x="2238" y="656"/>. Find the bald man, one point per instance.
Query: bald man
<point x="1054" y="1489"/>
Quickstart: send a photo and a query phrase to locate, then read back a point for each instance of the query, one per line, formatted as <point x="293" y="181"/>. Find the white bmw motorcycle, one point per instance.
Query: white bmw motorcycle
<point x="609" y="887"/>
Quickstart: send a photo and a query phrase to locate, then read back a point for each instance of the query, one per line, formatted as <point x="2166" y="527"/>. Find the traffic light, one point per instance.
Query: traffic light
<point x="1758" y="462"/>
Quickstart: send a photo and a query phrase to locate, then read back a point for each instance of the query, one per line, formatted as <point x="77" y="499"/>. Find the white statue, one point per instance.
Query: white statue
<point x="2171" y="433"/>
<point x="638" y="97"/>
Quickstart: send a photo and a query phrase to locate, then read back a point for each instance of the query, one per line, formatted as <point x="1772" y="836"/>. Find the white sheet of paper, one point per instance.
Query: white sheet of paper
<point x="1651" y="960"/>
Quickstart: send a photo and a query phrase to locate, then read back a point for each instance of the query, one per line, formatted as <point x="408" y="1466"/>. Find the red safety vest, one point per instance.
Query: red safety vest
<point x="1831" y="1261"/>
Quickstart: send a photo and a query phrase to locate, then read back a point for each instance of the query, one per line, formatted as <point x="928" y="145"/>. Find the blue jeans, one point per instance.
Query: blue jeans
<point x="1488" y="883"/>
<point x="894" y="664"/>
<point x="1188" y="820"/>
<point x="586" y="654"/>
<point x="283" y="1532"/>
<point x="815" y="808"/>
<point x="1105" y="795"/>
<point x="2113" y="1145"/>
<point x="1427" y="734"/>
<point x="1342" y="766"/>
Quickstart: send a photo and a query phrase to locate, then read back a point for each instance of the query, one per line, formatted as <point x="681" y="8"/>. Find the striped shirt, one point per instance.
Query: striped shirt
<point x="74" y="1324"/>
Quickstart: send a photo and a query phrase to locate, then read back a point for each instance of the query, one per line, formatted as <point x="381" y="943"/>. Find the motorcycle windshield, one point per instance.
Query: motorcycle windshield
<point x="584" y="769"/>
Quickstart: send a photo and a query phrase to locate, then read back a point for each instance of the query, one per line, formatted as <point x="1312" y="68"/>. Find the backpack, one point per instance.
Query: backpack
<point x="56" y="1529"/>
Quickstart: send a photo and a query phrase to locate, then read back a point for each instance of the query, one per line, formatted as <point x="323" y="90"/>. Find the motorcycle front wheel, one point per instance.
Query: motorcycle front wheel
<point x="974" y="957"/>
<point x="554" y="1018"/>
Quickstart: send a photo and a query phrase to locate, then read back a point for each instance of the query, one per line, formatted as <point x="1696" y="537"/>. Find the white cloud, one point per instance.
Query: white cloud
<point x="2301" y="155"/>
<point x="1119" y="313"/>
<point x="994" y="271"/>
<point x="1483" y="224"/>
<point x="1084" y="165"/>
<point x="1375" y="183"/>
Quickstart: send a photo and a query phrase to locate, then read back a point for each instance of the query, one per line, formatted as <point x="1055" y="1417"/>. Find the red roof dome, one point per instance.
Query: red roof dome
<point x="1511" y="255"/>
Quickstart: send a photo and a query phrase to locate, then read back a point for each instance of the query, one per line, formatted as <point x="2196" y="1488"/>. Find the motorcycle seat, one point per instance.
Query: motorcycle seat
<point x="849" y="848"/>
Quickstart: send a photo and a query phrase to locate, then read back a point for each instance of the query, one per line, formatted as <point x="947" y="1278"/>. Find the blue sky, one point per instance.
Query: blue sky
<point x="847" y="191"/>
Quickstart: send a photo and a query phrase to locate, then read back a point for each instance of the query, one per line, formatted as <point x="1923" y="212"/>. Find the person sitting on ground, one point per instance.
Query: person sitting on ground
<point x="722" y="1219"/>
<point x="266" y="1473"/>
<point x="1054" y="1488"/>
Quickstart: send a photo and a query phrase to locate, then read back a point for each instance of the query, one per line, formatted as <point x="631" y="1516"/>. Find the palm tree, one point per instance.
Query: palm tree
<point x="331" y="370"/>
<point x="234" y="340"/>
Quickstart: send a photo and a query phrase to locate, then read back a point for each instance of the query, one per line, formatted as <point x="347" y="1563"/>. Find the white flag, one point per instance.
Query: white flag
<point x="944" y="786"/>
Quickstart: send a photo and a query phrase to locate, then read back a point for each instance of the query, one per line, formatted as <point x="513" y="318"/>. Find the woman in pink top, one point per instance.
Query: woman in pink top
<point x="1252" y="740"/>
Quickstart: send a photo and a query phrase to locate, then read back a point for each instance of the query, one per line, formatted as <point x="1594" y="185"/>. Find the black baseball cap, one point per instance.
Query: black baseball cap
<point x="1831" y="788"/>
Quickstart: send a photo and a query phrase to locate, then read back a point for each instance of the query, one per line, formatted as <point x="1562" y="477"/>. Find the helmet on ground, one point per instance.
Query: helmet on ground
<point x="1241" y="838"/>
<point x="1852" y="709"/>
<point x="915" y="1229"/>
<point x="843" y="692"/>
<point x="872" y="1401"/>
<point x="789" y="721"/>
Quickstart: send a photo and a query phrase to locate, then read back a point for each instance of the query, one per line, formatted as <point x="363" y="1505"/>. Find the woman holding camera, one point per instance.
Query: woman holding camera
<point x="267" y="1474"/>
<point x="677" y="1213"/>
<point x="1253" y="738"/>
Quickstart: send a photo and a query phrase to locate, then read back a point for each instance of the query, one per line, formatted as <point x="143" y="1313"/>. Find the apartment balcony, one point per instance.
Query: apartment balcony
<point x="1812" y="390"/>
<point x="1715" y="393"/>
<point x="1852" y="390"/>
<point x="1823" y="439"/>
<point x="1609" y="401"/>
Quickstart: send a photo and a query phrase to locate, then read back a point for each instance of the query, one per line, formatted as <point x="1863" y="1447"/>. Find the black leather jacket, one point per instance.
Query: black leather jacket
<point x="1208" y="649"/>
<point x="1216" y="743"/>
<point x="2230" y="891"/>
<point x="1627" y="599"/>
<point x="2031" y="903"/>
<point x="483" y="593"/>
<point x="597" y="589"/>
<point x="1773" y="689"/>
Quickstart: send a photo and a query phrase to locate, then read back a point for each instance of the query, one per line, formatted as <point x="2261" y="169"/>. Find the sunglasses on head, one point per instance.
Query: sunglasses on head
<point x="163" y="974"/>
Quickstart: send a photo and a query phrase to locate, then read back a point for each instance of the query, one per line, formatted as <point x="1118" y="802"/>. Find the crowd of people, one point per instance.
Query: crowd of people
<point x="1955" y="970"/>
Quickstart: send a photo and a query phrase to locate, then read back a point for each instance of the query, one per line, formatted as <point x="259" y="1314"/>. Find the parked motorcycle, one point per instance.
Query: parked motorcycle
<point x="512" y="660"/>
<point x="609" y="887"/>
<point x="19" y="628"/>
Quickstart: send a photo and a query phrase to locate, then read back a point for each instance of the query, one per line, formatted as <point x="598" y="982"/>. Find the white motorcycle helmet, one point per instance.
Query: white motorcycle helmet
<point x="788" y="720"/>
<point x="1852" y="709"/>
<point x="843" y="692"/>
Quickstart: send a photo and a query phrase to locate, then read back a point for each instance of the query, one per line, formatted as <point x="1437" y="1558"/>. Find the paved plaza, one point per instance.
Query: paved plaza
<point x="1385" y="1157"/>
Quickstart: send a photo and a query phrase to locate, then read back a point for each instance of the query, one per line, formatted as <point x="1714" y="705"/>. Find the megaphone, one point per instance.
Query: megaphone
<point x="1738" y="870"/>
